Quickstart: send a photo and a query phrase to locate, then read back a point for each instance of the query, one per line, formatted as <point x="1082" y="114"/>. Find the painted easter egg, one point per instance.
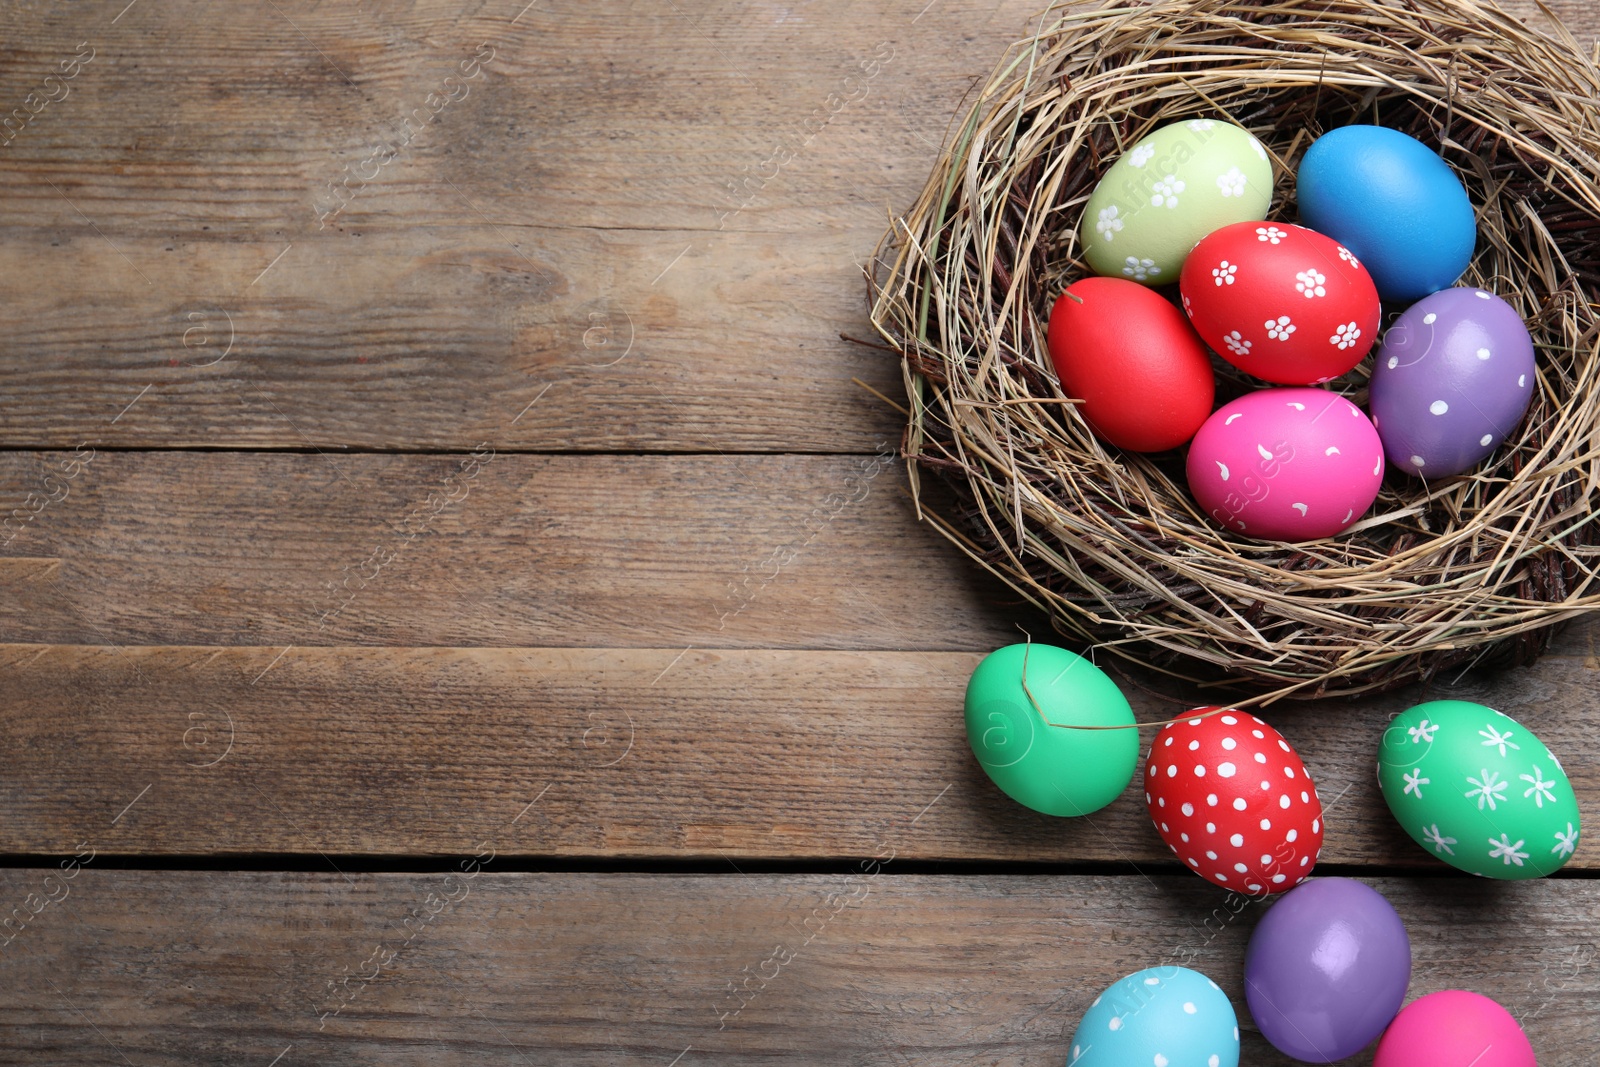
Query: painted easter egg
<point x="1451" y="380"/>
<point x="1451" y="1028"/>
<point x="1281" y="302"/>
<point x="1286" y="464"/>
<point x="1164" y="1016"/>
<point x="1022" y="735"/>
<point x="1231" y="798"/>
<point x="1143" y="377"/>
<point x="1326" y="969"/>
<point x="1393" y="202"/>
<point x="1478" y="790"/>
<point x="1168" y="191"/>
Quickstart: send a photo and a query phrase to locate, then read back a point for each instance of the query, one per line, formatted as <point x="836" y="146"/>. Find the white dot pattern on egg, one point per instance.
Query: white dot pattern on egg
<point x="1246" y="827"/>
<point x="1165" y="1016"/>
<point x="1455" y="355"/>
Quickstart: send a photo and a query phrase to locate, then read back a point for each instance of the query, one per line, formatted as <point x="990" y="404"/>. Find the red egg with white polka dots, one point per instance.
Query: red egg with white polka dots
<point x="1230" y="796"/>
<point x="1281" y="302"/>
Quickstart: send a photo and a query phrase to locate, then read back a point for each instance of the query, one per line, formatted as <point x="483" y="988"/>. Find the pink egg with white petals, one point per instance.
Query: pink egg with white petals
<point x="1286" y="465"/>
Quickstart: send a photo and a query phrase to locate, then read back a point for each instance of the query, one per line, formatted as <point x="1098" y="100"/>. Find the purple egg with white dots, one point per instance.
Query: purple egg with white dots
<point x="1450" y="381"/>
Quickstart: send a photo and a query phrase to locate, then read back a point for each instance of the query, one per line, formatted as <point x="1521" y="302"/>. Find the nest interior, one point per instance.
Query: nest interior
<point x="1475" y="569"/>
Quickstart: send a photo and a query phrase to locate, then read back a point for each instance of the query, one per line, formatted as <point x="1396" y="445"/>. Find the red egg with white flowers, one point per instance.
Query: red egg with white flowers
<point x="1284" y="303"/>
<point x="1233" y="800"/>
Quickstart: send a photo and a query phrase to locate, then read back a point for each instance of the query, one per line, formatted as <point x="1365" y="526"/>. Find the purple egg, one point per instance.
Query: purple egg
<point x="1451" y="380"/>
<point x="1327" y="969"/>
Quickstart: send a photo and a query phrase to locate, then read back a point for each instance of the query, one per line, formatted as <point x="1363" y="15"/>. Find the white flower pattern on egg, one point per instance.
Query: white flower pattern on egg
<point x="1280" y="328"/>
<point x="1140" y="269"/>
<point x="1166" y="192"/>
<point x="1310" y="282"/>
<point x="1423" y="731"/>
<point x="1237" y="344"/>
<point x="1489" y="789"/>
<point x="1141" y="155"/>
<point x="1231" y="183"/>
<point x="1223" y="273"/>
<point x="1108" y="223"/>
<point x="1436" y="839"/>
<point x="1346" y="336"/>
<point x="1200" y="125"/>
<point x="1539" y="787"/>
<point x="1496" y="739"/>
<point x="1344" y="254"/>
<point x="1269" y="234"/>
<point x="1506" y="849"/>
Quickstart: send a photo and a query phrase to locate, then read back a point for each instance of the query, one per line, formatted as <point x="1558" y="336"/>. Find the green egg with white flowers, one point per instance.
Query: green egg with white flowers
<point x="1478" y="790"/>
<point x="1175" y="186"/>
<point x="1022" y="704"/>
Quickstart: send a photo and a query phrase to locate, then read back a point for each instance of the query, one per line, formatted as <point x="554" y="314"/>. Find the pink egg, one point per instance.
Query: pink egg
<point x="1286" y="464"/>
<point x="1454" y="1027"/>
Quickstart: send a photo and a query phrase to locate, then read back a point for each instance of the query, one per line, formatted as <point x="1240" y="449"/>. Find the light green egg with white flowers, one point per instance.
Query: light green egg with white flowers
<point x="1169" y="190"/>
<point x="1477" y="789"/>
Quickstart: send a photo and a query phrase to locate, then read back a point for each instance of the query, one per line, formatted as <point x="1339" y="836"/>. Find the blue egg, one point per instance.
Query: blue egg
<point x="1161" y="1017"/>
<point x="1393" y="202"/>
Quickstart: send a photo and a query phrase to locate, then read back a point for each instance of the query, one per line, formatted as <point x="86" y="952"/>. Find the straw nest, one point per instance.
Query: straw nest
<point x="1475" y="569"/>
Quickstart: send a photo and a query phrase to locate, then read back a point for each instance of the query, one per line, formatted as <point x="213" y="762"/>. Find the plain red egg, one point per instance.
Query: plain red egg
<point x="1143" y="375"/>
<point x="1281" y="302"/>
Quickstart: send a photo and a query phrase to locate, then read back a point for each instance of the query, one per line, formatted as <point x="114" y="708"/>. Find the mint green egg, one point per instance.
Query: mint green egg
<point x="1049" y="768"/>
<point x="1477" y="789"/>
<point x="1168" y="191"/>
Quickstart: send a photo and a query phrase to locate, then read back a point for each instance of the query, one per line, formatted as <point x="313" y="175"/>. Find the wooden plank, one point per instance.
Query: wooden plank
<point x="599" y="551"/>
<point x="601" y="214"/>
<point x="439" y="339"/>
<point x="592" y="551"/>
<point x="617" y="753"/>
<point x="657" y="215"/>
<point x="213" y="968"/>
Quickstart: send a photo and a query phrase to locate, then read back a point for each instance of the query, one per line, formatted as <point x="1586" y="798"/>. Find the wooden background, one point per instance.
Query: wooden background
<point x="362" y="749"/>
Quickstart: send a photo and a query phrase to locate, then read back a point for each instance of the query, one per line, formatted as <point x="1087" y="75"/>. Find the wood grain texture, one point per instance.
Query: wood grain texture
<point x="656" y="213"/>
<point x="213" y="968"/>
<point x="496" y="550"/>
<point x="621" y="753"/>
<point x="704" y="658"/>
<point x="598" y="551"/>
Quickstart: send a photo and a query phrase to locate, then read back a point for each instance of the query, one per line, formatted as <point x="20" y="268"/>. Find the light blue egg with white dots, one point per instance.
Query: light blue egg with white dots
<point x="1160" y="1017"/>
